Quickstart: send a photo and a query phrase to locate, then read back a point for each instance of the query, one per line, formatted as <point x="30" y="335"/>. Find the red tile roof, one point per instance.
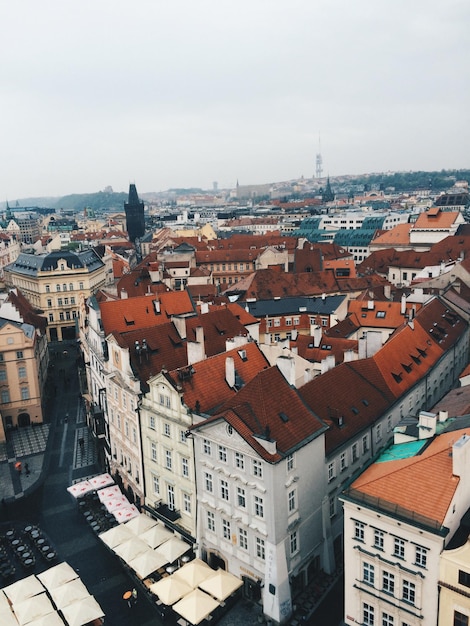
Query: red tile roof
<point x="268" y="408"/>
<point x="328" y="346"/>
<point x="435" y="218"/>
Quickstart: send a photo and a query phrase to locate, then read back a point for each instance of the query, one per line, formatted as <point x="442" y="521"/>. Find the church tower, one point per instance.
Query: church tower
<point x="135" y="220"/>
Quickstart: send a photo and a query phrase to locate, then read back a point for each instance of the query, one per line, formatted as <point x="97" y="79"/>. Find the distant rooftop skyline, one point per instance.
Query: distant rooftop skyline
<point x="172" y="95"/>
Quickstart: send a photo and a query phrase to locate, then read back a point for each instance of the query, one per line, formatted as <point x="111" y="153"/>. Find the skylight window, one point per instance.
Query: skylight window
<point x="380" y="314"/>
<point x="283" y="417"/>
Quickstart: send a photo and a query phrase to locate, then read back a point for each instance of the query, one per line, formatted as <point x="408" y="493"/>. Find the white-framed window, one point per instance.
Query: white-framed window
<point x="294" y="543"/>
<point x="331" y="471"/>
<point x="226" y="529"/>
<point x="24" y="393"/>
<point x="292" y="500"/>
<point x="378" y="539"/>
<point x="367" y="614"/>
<point x="243" y="538"/>
<point x="378" y="432"/>
<point x="126" y="428"/>
<point x="183" y="438"/>
<point x="241" y="497"/>
<point x="296" y="321"/>
<point x="166" y="429"/>
<point x="224" y="493"/>
<point x="259" y="506"/>
<point x="368" y="573"/>
<point x="388" y="582"/>
<point x="187" y="503"/>
<point x="288" y="321"/>
<point x="260" y="549"/>
<point x="208" y="482"/>
<point x="153" y="451"/>
<point x="342" y="461"/>
<point x="156" y="484"/>
<point x="257" y="468"/>
<point x="210" y="521"/>
<point x="365" y="444"/>
<point x="277" y="322"/>
<point x="185" y="466"/>
<point x="387" y="619"/>
<point x="239" y="460"/>
<point x="22" y="371"/>
<point x="223" y="454"/>
<point x="206" y="447"/>
<point x="332" y="505"/>
<point x="290" y="462"/>
<point x="421" y="556"/>
<point x="359" y="531"/>
<point x="399" y="547"/>
<point x="354" y="452"/>
<point x="409" y="591"/>
<point x="170" y="492"/>
<point x="168" y="460"/>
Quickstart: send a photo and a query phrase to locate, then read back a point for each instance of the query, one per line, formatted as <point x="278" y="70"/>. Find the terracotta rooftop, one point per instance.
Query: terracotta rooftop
<point x="268" y="408"/>
<point x="424" y="484"/>
<point x="328" y="346"/>
<point x="435" y="218"/>
<point x="456" y="402"/>
<point x="397" y="236"/>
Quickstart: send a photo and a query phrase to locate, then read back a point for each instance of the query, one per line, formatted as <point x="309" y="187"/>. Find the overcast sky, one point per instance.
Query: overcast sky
<point x="181" y="93"/>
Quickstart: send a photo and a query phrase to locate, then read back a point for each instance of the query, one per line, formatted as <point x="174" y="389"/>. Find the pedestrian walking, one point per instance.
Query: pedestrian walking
<point x="18" y="467"/>
<point x="127" y="596"/>
<point x="134" y="595"/>
<point x="26" y="469"/>
<point x="81" y="443"/>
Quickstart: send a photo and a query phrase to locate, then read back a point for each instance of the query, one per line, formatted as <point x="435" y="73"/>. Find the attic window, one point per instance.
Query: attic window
<point x="422" y="352"/>
<point x="406" y="367"/>
<point x="129" y="320"/>
<point x="242" y="354"/>
<point x="365" y="402"/>
<point x="326" y="346"/>
<point x="397" y="377"/>
<point x="355" y="410"/>
<point x="380" y="314"/>
<point x="416" y="359"/>
<point x="283" y="417"/>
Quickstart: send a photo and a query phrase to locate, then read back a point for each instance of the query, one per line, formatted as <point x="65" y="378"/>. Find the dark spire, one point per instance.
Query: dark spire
<point x="135" y="219"/>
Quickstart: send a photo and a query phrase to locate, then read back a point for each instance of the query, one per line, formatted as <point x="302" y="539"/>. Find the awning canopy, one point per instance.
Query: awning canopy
<point x="23" y="589"/>
<point x="173" y="549"/>
<point x="194" y="572"/>
<point x="117" y="535"/>
<point x="80" y="489"/>
<point x="170" y="589"/>
<point x="126" y="513"/>
<point x="57" y="575"/>
<point x="141" y="523"/>
<point x="146" y="563"/>
<point x="196" y="606"/>
<point x="68" y="593"/>
<point x="221" y="585"/>
<point x="30" y="609"/>
<point x="106" y="493"/>
<point x="157" y="535"/>
<point x="82" y="612"/>
<point x="102" y="480"/>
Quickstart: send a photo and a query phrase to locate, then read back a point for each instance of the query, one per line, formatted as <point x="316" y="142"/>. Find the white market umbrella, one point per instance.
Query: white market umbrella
<point x="80" y="489"/>
<point x="221" y="585"/>
<point x="51" y="619"/>
<point x="117" y="535"/>
<point x="23" y="589"/>
<point x="8" y="619"/>
<point x="194" y="572"/>
<point x="196" y="606"/>
<point x="69" y="592"/>
<point x="102" y="480"/>
<point x="173" y="549"/>
<point x="4" y="604"/>
<point x="57" y="575"/>
<point x="146" y="563"/>
<point x="30" y="609"/>
<point x="109" y="492"/>
<point x="124" y="514"/>
<point x="131" y="549"/>
<point x="157" y="535"/>
<point x="118" y="502"/>
<point x="141" y="523"/>
<point x="170" y="589"/>
<point x="82" y="612"/>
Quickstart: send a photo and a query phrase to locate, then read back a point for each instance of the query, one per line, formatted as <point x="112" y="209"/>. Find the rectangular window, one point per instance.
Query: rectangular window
<point x="354" y="453"/>
<point x="257" y="468"/>
<point x="464" y="578"/>
<point x="170" y="492"/>
<point x="378" y="432"/>
<point x="421" y="558"/>
<point x="208" y="482"/>
<point x="243" y="538"/>
<point x="409" y="591"/>
<point x="168" y="462"/>
<point x="185" y="467"/>
<point x="367" y="615"/>
<point x="226" y="529"/>
<point x="399" y="548"/>
<point x="223" y="454"/>
<point x="387" y="619"/>
<point x="291" y="501"/>
<point x="182" y="436"/>
<point x="186" y="503"/>
<point x="241" y="497"/>
<point x="59" y="302"/>
<point x="19" y="354"/>
<point x="259" y="507"/>
<point x="3" y="375"/>
<point x="224" y="494"/>
<point x="332" y="503"/>
<point x="24" y="393"/>
<point x="378" y="539"/>
<point x="5" y="395"/>
<point x="290" y="462"/>
<point x="48" y="289"/>
<point x="365" y="444"/>
<point x="342" y="461"/>
<point x="239" y="460"/>
<point x="156" y="485"/>
<point x="388" y="583"/>
<point x="368" y="574"/>
<point x="210" y="521"/>
<point x="166" y="429"/>
<point x="152" y="422"/>
<point x="460" y="619"/>
<point x="331" y="471"/>
<point x="359" y="531"/>
<point x="294" y="543"/>
<point x="49" y="302"/>
<point x="51" y="317"/>
<point x="206" y="446"/>
<point x="260" y="551"/>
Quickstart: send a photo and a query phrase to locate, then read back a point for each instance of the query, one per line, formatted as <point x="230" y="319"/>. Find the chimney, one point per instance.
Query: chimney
<point x="307" y="376"/>
<point x="230" y="371"/>
<point x="349" y="355"/>
<point x="180" y="325"/>
<point x="200" y="334"/>
<point x="370" y="305"/>
<point x="124" y="295"/>
<point x="315" y="332"/>
<point x="204" y="307"/>
<point x="286" y="365"/>
<point x="443" y="416"/>
<point x="387" y="291"/>
<point x="426" y="425"/>
<point x="327" y="364"/>
<point x="461" y="456"/>
<point x="403" y="305"/>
